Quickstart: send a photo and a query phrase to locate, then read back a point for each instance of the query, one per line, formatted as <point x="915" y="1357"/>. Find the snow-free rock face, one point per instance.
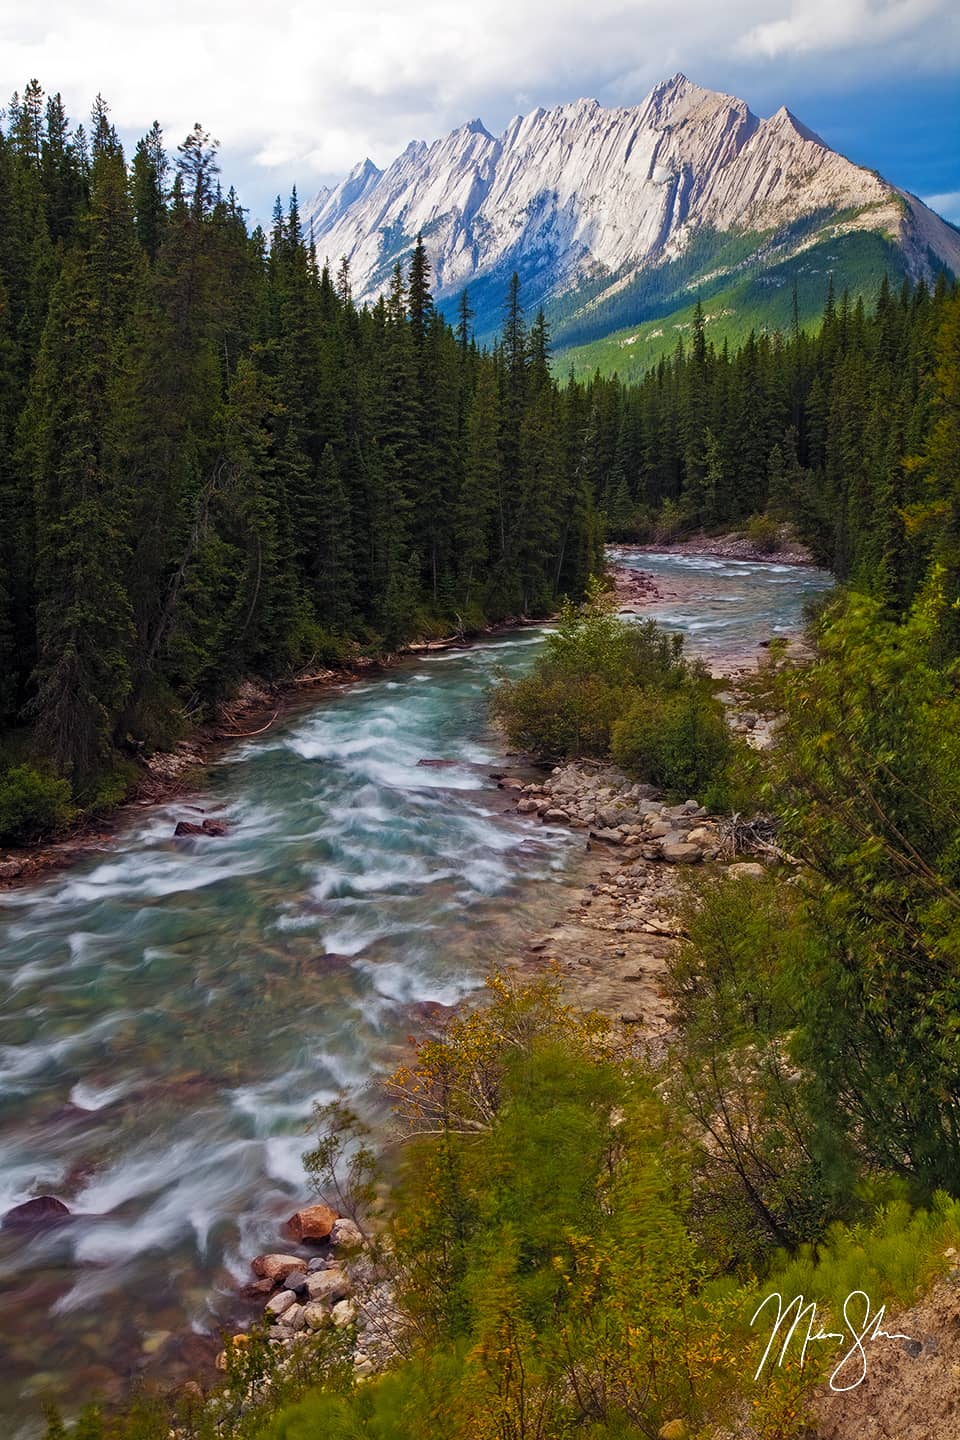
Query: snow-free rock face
<point x="582" y="194"/>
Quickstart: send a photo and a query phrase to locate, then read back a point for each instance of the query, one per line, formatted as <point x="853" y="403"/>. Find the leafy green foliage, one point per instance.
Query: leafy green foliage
<point x="761" y="1184"/>
<point x="677" y="739"/>
<point x="580" y="685"/>
<point x="866" y="777"/>
<point x="31" y="804"/>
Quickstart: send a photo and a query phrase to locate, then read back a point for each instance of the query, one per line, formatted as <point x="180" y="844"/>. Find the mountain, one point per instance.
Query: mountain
<point x="619" y="218"/>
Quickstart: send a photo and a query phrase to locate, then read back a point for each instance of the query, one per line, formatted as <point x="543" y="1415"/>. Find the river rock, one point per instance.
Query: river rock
<point x="681" y="853"/>
<point x="276" y="1267"/>
<point x="346" y="1235"/>
<point x="556" y="817"/>
<point x="11" y="869"/>
<point x="37" y="1213"/>
<point x="256" y="1288"/>
<point x="438" y="764"/>
<point x="612" y="837"/>
<point x="314" y="1222"/>
<point x="315" y="1315"/>
<point x="293" y="1318"/>
<point x="206" y="827"/>
<point x="278" y="1303"/>
<point x="296" y="1281"/>
<point x="328" y="1286"/>
<point x="657" y="829"/>
<point x="343" y="1313"/>
<point x="746" y="870"/>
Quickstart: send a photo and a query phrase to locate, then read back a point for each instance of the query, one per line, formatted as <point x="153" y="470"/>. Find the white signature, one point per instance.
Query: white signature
<point x="863" y="1332"/>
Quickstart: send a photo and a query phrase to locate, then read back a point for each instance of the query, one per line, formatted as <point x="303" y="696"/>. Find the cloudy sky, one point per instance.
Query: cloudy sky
<point x="297" y="92"/>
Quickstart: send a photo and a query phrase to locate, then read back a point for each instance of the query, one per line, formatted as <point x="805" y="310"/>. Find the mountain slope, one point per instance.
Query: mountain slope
<point x="602" y="210"/>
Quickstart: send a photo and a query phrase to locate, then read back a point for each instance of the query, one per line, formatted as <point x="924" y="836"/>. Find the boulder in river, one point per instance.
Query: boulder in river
<point x="35" y="1214"/>
<point x="438" y="764"/>
<point x="314" y="1222"/>
<point x="206" y="827"/>
<point x="276" y="1267"/>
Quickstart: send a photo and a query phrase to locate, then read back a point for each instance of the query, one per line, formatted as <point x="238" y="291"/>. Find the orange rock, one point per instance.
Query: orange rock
<point x="276" y="1267"/>
<point x="312" y="1223"/>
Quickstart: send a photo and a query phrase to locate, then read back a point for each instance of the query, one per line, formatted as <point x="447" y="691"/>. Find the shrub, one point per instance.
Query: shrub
<point x="678" y="739"/>
<point x="583" y="682"/>
<point x="32" y="804"/>
<point x="764" y="534"/>
<point x="759" y="1186"/>
<point x="553" y="715"/>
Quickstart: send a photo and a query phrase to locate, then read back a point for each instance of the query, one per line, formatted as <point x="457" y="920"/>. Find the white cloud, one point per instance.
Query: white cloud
<point x="825" y="25"/>
<point x="304" y="90"/>
<point x="947" y="205"/>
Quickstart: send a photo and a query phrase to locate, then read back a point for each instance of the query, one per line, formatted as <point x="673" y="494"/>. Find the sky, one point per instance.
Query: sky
<point x="297" y="93"/>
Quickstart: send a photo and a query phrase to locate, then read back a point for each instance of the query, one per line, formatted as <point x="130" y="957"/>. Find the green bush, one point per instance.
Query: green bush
<point x="678" y="739"/>
<point x="764" y="534"/>
<point x="583" y="682"/>
<point x="32" y="804"/>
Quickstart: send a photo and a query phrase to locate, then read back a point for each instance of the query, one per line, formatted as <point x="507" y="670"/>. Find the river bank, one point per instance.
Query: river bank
<point x="735" y="545"/>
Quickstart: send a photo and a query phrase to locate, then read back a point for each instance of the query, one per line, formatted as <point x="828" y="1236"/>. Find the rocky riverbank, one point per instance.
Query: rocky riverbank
<point x="339" y="1284"/>
<point x="613" y="944"/>
<point x="787" y="549"/>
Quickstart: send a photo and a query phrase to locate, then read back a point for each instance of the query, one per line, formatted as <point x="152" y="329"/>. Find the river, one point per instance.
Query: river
<point x="171" y="1010"/>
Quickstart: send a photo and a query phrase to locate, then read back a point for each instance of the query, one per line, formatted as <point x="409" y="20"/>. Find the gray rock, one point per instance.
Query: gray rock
<point x="328" y="1286"/>
<point x="346" y="1234"/>
<point x="293" y="1318"/>
<point x="612" y="837"/>
<point x="343" y="1313"/>
<point x="315" y="1315"/>
<point x="657" y="829"/>
<point x="297" y="1281"/>
<point x="682" y="854"/>
<point x="556" y="817"/>
<point x="746" y="870"/>
<point x="279" y="1303"/>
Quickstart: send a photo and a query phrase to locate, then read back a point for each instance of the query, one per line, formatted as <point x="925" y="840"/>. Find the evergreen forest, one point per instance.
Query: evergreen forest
<point x="214" y="465"/>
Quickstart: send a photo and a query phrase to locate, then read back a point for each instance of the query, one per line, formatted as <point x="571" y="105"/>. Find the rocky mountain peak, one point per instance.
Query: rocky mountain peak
<point x="578" y="192"/>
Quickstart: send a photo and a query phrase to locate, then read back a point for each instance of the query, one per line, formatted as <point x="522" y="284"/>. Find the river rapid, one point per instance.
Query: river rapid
<point x="170" y="1010"/>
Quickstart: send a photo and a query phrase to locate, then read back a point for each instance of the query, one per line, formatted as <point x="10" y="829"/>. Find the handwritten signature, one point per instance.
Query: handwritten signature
<point x="790" y="1319"/>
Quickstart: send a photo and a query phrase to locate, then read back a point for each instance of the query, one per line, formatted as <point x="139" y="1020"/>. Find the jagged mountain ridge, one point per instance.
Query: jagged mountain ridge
<point x="586" y="202"/>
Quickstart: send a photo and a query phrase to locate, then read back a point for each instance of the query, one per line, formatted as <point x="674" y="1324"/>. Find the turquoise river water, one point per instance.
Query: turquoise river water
<point x="171" y="1010"/>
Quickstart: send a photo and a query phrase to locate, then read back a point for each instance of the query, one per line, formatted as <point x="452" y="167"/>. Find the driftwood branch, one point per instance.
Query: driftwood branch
<point x="248" y="734"/>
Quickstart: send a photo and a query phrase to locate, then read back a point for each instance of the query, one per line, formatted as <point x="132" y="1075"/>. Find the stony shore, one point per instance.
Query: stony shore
<point x="613" y="943"/>
<point x="734" y="546"/>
